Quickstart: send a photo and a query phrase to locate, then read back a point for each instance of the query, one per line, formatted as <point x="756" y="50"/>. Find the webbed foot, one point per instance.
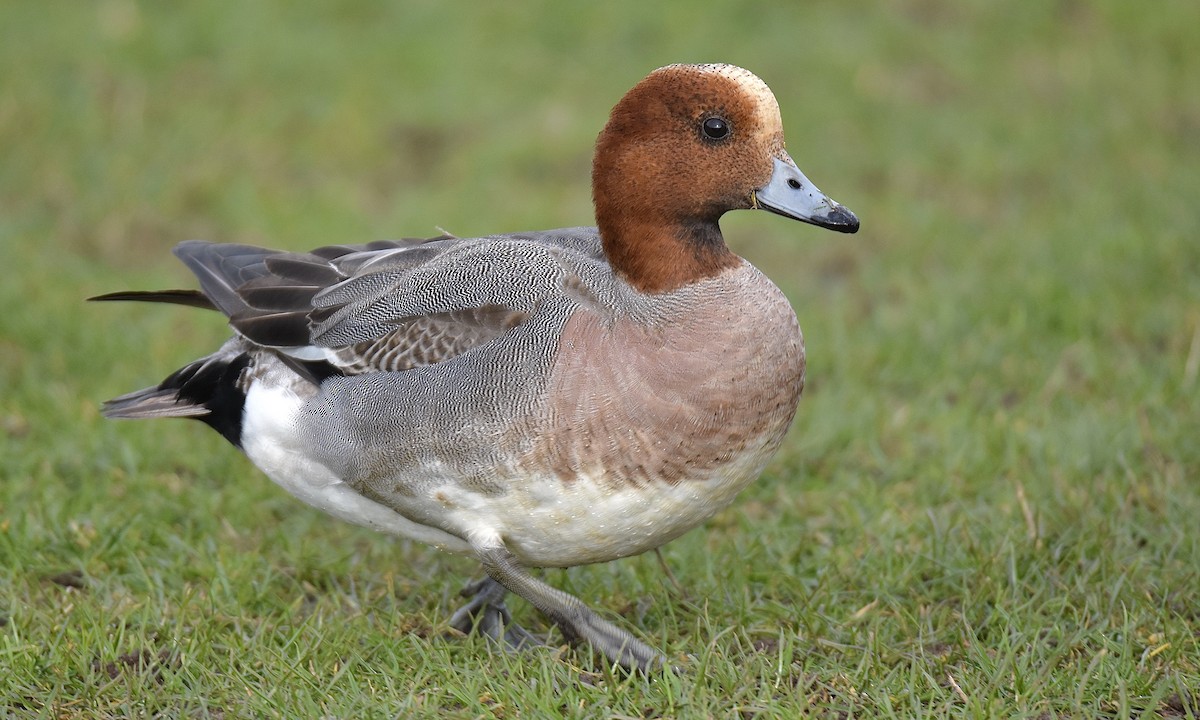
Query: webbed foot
<point x="486" y="613"/>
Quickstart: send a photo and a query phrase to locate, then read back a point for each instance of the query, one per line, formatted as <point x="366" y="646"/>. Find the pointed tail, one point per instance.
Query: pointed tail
<point x="209" y="390"/>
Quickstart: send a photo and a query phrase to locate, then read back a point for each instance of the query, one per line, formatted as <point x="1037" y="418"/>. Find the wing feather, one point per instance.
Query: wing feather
<point x="387" y="306"/>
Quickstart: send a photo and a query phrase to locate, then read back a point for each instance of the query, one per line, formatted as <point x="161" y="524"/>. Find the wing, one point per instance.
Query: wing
<point x="386" y="306"/>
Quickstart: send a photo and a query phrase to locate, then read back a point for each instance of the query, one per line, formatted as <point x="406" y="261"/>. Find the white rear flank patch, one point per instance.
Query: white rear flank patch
<point x="269" y="440"/>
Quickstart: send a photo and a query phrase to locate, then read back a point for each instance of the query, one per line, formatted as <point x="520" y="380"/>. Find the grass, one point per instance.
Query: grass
<point x="987" y="507"/>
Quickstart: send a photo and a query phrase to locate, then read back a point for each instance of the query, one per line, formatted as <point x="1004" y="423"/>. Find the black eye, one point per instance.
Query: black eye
<point x="715" y="128"/>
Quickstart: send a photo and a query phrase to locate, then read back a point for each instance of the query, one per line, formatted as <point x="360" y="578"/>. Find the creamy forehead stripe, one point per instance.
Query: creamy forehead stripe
<point x="749" y="83"/>
<point x="770" y="125"/>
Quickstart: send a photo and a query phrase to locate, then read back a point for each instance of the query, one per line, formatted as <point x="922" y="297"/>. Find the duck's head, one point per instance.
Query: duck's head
<point x="685" y="145"/>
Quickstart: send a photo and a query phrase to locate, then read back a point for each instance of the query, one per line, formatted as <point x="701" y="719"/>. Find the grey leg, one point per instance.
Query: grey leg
<point x="570" y="614"/>
<point x="486" y="612"/>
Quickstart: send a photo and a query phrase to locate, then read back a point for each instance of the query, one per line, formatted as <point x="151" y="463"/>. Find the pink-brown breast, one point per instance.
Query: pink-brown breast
<point x="687" y="386"/>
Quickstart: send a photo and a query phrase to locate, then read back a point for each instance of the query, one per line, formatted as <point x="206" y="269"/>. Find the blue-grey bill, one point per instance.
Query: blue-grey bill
<point x="791" y="194"/>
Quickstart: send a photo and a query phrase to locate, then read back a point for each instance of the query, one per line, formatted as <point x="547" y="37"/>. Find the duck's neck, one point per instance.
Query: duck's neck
<point x="655" y="256"/>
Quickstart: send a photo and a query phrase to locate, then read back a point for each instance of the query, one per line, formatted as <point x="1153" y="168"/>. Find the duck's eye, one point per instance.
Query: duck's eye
<point x="715" y="128"/>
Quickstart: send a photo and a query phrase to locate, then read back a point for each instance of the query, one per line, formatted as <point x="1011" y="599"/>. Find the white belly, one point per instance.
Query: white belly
<point x="543" y="521"/>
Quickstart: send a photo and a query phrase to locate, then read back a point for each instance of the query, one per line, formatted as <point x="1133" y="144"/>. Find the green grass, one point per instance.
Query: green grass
<point x="988" y="505"/>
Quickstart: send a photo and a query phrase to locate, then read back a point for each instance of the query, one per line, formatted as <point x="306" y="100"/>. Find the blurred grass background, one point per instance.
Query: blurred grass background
<point x="987" y="506"/>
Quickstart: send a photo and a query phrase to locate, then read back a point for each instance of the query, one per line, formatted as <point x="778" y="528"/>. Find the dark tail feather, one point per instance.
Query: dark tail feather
<point x="190" y="298"/>
<point x="207" y="390"/>
<point x="152" y="402"/>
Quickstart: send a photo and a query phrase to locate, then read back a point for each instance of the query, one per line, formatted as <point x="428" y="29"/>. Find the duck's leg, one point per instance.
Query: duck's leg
<point x="576" y="620"/>
<point x="486" y="612"/>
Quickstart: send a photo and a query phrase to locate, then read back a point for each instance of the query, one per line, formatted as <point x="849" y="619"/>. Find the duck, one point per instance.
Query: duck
<point x="543" y="399"/>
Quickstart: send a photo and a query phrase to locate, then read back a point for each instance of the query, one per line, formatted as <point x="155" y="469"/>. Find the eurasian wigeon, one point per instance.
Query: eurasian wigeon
<point x="540" y="399"/>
